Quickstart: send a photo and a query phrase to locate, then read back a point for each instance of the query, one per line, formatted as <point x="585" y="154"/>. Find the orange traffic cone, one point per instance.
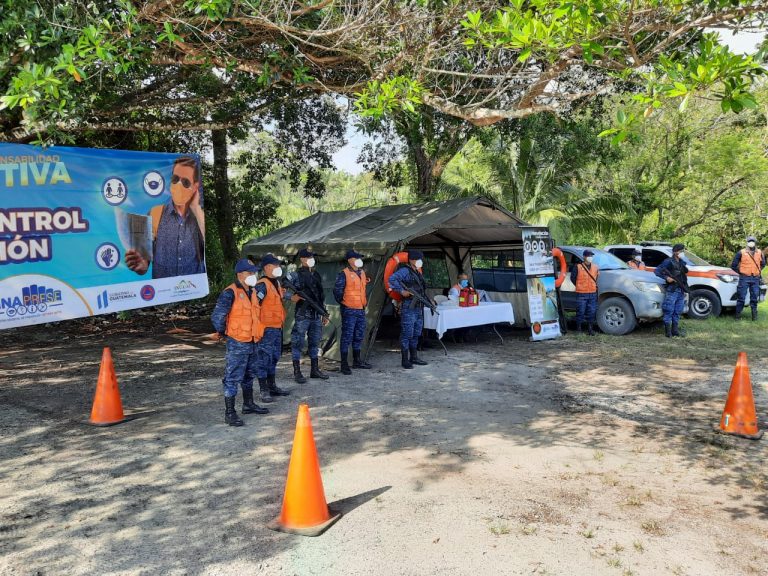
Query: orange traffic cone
<point x="305" y="510"/>
<point x="739" y="416"/>
<point x="107" y="406"/>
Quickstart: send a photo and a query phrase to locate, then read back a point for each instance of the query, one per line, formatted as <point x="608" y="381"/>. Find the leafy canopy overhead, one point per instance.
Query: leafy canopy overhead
<point x="499" y="60"/>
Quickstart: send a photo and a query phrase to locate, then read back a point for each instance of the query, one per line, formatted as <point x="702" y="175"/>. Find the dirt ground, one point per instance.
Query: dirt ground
<point x="559" y="457"/>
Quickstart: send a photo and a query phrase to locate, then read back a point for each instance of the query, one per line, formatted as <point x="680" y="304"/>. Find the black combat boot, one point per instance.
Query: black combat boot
<point x="668" y="330"/>
<point x="754" y="314"/>
<point x="357" y="362"/>
<point x="315" y="371"/>
<point x="273" y="389"/>
<point x="230" y="414"/>
<point x="415" y="358"/>
<point x="249" y="406"/>
<point x="297" y="375"/>
<point x="345" y="365"/>
<point x="264" y="394"/>
<point x="676" y="332"/>
<point x="590" y="329"/>
<point x="406" y="361"/>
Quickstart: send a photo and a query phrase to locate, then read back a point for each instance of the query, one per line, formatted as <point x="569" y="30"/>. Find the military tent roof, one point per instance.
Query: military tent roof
<point x="375" y="230"/>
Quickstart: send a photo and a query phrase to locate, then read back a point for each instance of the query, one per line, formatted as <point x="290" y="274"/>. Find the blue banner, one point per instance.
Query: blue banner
<point x="87" y="231"/>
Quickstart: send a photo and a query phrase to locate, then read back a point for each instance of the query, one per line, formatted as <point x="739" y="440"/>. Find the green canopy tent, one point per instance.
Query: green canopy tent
<point x="447" y="232"/>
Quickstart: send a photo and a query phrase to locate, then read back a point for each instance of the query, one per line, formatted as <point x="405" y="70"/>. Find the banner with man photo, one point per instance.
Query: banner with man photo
<point x="89" y="231"/>
<point x="540" y="279"/>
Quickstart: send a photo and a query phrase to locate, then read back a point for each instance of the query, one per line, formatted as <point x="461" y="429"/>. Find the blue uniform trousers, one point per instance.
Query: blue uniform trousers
<point x="268" y="352"/>
<point x="240" y="366"/>
<point x="309" y="327"/>
<point x="672" y="307"/>
<point x="586" y="307"/>
<point x="352" y="329"/>
<point x="751" y="283"/>
<point x="411" y="323"/>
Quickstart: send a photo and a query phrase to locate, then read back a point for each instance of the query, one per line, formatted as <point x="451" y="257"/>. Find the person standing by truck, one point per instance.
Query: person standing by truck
<point x="674" y="272"/>
<point x="749" y="263"/>
<point x="584" y="276"/>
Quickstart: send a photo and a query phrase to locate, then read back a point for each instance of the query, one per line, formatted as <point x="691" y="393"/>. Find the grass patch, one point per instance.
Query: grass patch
<point x="500" y="529"/>
<point x="730" y="335"/>
<point x="653" y="528"/>
<point x="588" y="533"/>
<point x="614" y="562"/>
<point x="638" y="546"/>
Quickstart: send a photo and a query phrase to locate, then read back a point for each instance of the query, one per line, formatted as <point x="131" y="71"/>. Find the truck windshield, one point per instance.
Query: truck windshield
<point x="693" y="260"/>
<point x="607" y="261"/>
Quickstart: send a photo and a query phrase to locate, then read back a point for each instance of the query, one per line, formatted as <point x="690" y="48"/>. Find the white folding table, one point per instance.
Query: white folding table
<point x="449" y="317"/>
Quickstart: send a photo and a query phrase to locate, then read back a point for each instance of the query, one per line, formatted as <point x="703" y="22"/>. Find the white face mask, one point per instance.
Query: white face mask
<point x="750" y="244"/>
<point x="311" y="262"/>
<point x="637" y="258"/>
<point x="359" y="263"/>
<point x="251" y="280"/>
<point x="588" y="259"/>
<point x="419" y="263"/>
<point x="277" y="272"/>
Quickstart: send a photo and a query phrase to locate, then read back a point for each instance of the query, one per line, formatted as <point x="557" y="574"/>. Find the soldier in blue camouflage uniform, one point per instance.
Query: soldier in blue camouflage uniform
<point x="406" y="279"/>
<point x="308" y="323"/>
<point x="240" y="338"/>
<point x="270" y="294"/>
<point x="350" y="292"/>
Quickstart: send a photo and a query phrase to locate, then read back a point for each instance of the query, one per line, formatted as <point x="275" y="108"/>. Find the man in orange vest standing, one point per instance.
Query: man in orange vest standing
<point x="749" y="263"/>
<point x="271" y="295"/>
<point x="584" y="276"/>
<point x="236" y="317"/>
<point x="349" y="292"/>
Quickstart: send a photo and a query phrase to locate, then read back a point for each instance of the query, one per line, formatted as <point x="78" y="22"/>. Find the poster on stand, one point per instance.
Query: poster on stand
<point x="89" y="231"/>
<point x="540" y="281"/>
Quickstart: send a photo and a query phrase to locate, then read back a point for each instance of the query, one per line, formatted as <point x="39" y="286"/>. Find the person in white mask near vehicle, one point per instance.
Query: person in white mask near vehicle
<point x="349" y="291"/>
<point x="236" y="319"/>
<point x="637" y="260"/>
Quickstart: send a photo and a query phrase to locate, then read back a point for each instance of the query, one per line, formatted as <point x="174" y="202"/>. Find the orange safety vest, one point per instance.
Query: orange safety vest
<point x="243" y="322"/>
<point x="584" y="282"/>
<point x="272" y="311"/>
<point x="750" y="263"/>
<point x="354" y="289"/>
<point x="636" y="265"/>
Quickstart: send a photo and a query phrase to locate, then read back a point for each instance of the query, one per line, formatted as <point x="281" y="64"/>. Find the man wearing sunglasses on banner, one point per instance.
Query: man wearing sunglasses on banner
<point x="178" y="228"/>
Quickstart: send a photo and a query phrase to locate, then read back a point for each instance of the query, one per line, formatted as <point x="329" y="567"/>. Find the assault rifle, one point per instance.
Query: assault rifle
<point x="426" y="302"/>
<point x="317" y="308"/>
<point x="679" y="281"/>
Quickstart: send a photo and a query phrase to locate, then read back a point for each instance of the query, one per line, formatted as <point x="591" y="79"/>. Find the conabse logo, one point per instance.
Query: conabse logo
<point x="34" y="299"/>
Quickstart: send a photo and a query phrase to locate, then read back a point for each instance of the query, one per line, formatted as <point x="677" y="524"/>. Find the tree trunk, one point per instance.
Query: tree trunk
<point x="224" y="218"/>
<point x="423" y="173"/>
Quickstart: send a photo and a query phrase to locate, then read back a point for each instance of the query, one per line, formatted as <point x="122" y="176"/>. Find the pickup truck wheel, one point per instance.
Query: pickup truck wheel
<point x="702" y="304"/>
<point x="615" y="316"/>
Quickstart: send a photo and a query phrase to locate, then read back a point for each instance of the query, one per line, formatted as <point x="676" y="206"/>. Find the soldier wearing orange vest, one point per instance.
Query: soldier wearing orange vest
<point x="584" y="276"/>
<point x="637" y="260"/>
<point x="749" y="263"/>
<point x="237" y="317"/>
<point x="270" y="296"/>
<point x="349" y="292"/>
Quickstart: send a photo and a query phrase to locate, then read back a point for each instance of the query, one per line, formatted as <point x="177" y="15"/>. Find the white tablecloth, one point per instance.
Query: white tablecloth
<point x="456" y="317"/>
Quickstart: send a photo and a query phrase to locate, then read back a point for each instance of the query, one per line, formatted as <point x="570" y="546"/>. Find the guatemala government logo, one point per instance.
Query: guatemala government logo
<point x="147" y="292"/>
